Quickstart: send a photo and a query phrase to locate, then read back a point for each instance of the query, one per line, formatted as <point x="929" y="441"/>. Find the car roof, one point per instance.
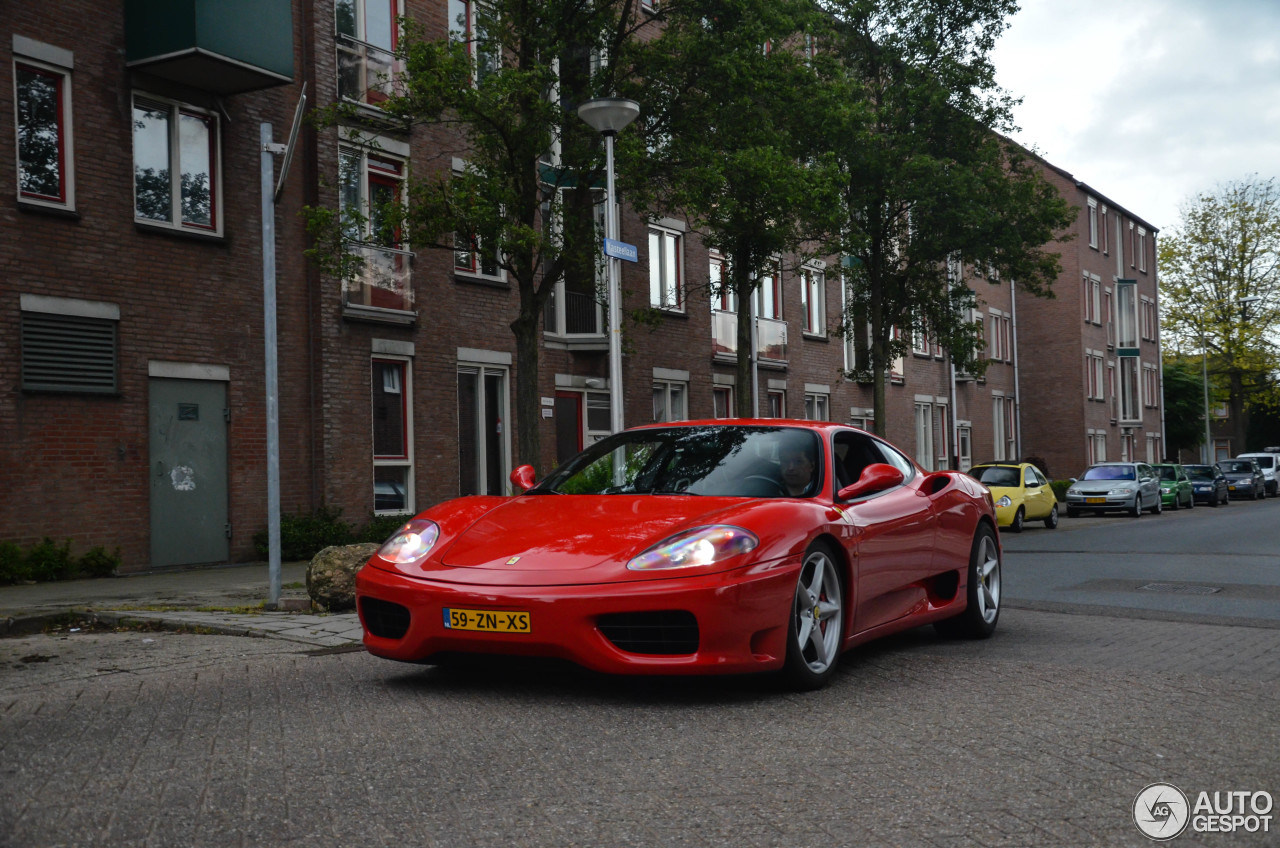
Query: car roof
<point x="821" y="426"/>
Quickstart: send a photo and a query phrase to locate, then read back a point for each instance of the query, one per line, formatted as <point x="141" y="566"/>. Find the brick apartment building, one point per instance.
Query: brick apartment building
<point x="134" y="408"/>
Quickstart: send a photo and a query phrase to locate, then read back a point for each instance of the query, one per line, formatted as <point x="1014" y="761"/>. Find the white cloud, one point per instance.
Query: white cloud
<point x="1150" y="102"/>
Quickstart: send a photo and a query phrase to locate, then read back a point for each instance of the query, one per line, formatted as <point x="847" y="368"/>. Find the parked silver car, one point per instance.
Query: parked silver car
<point x="1269" y="462"/>
<point x="1131" y="486"/>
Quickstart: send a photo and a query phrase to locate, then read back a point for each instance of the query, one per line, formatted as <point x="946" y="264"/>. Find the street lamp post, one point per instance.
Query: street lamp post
<point x="608" y="116"/>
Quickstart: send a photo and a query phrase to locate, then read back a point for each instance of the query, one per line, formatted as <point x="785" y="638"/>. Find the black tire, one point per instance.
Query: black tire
<point x="815" y="620"/>
<point x="1136" y="509"/>
<point x="1213" y="499"/>
<point x="982" y="612"/>
<point x="1019" y="519"/>
<point x="1191" y="501"/>
<point x="1159" y="507"/>
<point x="1052" y="521"/>
<point x="1176" y="505"/>
<point x="1254" y="496"/>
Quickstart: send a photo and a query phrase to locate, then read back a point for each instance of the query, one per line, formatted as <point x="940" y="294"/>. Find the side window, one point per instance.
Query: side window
<point x="1029" y="477"/>
<point x="43" y="124"/>
<point x="1040" y="478"/>
<point x="897" y="460"/>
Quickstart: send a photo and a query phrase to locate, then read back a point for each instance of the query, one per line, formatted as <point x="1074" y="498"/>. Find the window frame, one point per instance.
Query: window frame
<point x="177" y="109"/>
<point x="66" y="145"/>
<point x="666" y="386"/>
<point x="344" y="42"/>
<point x="659" y="286"/>
<point x="817" y="406"/>
<point x="404" y="460"/>
<point x="813" y="299"/>
<point x="721" y="396"/>
<point x="1093" y="223"/>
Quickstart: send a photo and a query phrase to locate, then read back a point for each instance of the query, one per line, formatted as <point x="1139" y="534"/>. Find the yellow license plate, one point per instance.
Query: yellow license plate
<point x="1231" y="488"/>
<point x="491" y="621"/>
<point x="1095" y="500"/>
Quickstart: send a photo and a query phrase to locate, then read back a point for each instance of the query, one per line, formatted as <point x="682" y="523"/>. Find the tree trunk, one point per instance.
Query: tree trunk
<point x="744" y="386"/>
<point x="526" y="329"/>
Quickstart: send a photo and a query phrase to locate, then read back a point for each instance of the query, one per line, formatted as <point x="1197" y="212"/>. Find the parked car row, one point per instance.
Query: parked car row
<point x="1022" y="493"/>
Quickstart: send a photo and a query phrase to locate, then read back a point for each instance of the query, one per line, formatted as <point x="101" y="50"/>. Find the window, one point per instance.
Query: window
<point x="69" y="345"/>
<point x="665" y="265"/>
<point x="170" y="139"/>
<point x="1127" y="315"/>
<point x="924" y="435"/>
<point x="1096" y="442"/>
<point x="816" y="406"/>
<point x="469" y="24"/>
<point x="1092" y="291"/>
<point x="813" y="300"/>
<point x="919" y="340"/>
<point x="769" y="294"/>
<point x="722" y="401"/>
<point x="964" y="446"/>
<point x="43" y="124"/>
<point x="484" y="455"/>
<point x="669" y="400"/>
<point x="1093" y="223"/>
<point x="392" y="444"/>
<point x="1109" y="318"/>
<point x="1000" y="347"/>
<point x="1004" y="426"/>
<point x="1093" y="375"/>
<point x="1153" y="447"/>
<point x="777" y="404"/>
<point x="1150" y="386"/>
<point x="1149" y="319"/>
<point x="1129" y="409"/>
<point x="723" y="297"/>
<point x="1133" y="246"/>
<point x="1142" y="249"/>
<point x="649" y="5"/>
<point x="1104" y="229"/>
<point x="369" y="195"/>
<point x="368" y="34"/>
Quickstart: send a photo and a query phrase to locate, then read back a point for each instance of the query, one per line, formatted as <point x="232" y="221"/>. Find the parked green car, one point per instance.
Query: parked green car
<point x="1175" y="486"/>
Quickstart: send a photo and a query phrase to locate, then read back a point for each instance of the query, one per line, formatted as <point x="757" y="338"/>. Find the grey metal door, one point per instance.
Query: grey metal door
<point x="188" y="472"/>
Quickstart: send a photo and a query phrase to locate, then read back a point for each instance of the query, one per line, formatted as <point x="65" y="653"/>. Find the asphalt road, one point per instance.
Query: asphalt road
<point x="1042" y="735"/>
<point x="1212" y="564"/>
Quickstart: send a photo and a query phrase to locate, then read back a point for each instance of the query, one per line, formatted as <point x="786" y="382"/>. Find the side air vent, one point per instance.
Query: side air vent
<point x="662" y="633"/>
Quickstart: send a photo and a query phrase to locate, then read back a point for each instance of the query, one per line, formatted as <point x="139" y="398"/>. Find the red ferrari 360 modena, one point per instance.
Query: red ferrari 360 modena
<point x="722" y="546"/>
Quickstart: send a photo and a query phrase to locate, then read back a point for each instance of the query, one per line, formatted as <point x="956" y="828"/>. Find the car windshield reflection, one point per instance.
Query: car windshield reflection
<point x="1109" y="472"/>
<point x="725" y="461"/>
<point x="1167" y="473"/>
<point x="996" y="475"/>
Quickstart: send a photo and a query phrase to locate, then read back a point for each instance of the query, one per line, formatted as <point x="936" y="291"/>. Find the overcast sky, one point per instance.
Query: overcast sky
<point x="1147" y="101"/>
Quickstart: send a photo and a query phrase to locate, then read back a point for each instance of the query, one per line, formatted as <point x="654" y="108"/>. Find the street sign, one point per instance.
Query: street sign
<point x="621" y="250"/>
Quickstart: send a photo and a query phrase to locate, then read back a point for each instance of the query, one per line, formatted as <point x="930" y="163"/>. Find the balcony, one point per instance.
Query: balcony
<point x="223" y="46"/>
<point x="366" y="74"/>
<point x="771" y="334"/>
<point x="379" y="284"/>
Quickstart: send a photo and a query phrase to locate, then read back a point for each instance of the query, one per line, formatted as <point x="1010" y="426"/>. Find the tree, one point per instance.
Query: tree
<point x="723" y="88"/>
<point x="911" y="118"/>
<point x="1220" y="275"/>
<point x="1184" y="424"/>
<point x="506" y="86"/>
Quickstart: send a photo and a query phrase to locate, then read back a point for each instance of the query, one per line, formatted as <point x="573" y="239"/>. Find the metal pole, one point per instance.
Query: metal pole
<point x="271" y="368"/>
<point x="615" y="298"/>
<point x="1204" y="362"/>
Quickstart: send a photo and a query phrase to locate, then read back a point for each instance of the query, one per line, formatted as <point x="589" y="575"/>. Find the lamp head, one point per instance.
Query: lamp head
<point x="609" y="115"/>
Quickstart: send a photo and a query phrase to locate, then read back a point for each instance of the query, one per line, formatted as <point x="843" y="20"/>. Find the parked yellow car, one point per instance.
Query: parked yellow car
<point x="1021" y="494"/>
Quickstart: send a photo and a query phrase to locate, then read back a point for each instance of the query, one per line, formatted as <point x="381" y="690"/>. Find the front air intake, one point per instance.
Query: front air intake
<point x="384" y="619"/>
<point x="664" y="633"/>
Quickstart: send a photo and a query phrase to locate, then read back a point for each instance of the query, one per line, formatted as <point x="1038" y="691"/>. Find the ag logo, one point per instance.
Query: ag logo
<point x="1161" y="811"/>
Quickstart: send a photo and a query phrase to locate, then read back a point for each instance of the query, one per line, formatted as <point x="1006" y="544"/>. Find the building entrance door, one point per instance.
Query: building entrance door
<point x="188" y="472"/>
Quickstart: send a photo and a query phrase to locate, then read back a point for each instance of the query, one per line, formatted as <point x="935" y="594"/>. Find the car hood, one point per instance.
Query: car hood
<point x="1238" y="475"/>
<point x="997" y="492"/>
<point x="579" y="539"/>
<point x="1089" y="487"/>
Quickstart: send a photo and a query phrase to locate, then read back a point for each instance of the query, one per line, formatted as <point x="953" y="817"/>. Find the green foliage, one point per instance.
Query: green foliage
<point x="13" y="565"/>
<point x="1183" y="406"/>
<point x="1038" y="462"/>
<point x="304" y="535"/>
<point x="96" y="562"/>
<point x="49" y="561"/>
<point x="1060" y="489"/>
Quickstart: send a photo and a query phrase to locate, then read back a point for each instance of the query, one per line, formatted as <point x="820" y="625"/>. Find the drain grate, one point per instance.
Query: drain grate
<point x="1181" y="589"/>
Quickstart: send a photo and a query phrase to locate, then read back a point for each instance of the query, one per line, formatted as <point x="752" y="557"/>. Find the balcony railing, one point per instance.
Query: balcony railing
<point x="771" y="334"/>
<point x="582" y="314"/>
<point x="381" y="278"/>
<point x="366" y="74"/>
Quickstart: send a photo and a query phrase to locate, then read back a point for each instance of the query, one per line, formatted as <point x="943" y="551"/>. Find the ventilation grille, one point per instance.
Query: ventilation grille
<point x="384" y="619"/>
<point x="663" y="633"/>
<point x="68" y="353"/>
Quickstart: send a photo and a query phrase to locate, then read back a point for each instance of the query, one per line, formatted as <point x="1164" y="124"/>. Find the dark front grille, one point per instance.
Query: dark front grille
<point x="663" y="632"/>
<point x="384" y="619"/>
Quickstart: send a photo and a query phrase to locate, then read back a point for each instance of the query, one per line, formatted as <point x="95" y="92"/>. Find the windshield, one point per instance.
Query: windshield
<point x="1168" y="472"/>
<point x="727" y="461"/>
<point x="1199" y="472"/>
<point x="996" y="475"/>
<point x="1236" y="466"/>
<point x="1265" y="461"/>
<point x="1109" y="472"/>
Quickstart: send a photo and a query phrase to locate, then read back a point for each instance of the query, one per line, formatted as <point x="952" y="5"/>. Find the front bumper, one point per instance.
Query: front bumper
<point x="1005" y="514"/>
<point x="1101" y="502"/>
<point x="742" y="619"/>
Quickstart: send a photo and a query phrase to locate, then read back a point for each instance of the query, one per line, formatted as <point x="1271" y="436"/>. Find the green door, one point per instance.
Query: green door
<point x="188" y="472"/>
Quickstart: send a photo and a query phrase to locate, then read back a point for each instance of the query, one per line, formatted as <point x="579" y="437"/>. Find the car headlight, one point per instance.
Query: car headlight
<point x="1164" y="490"/>
<point x="411" y="542"/>
<point x="1005" y="501"/>
<point x="692" y="548"/>
<point x="1124" y="491"/>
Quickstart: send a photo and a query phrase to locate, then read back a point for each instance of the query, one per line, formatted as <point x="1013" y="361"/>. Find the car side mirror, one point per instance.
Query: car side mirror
<point x="875" y="478"/>
<point x="523" y="478"/>
<point x="1075" y="479"/>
